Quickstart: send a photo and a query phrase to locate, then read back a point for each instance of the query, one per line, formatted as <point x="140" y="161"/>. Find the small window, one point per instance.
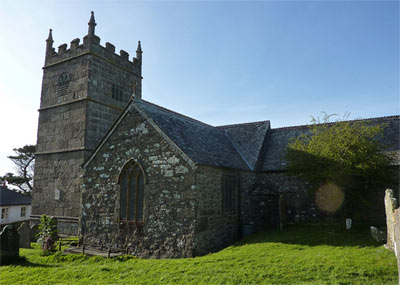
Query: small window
<point x="4" y="213"/>
<point x="132" y="193"/>
<point x="23" y="211"/>
<point x="116" y="92"/>
<point x="228" y="186"/>
<point x="62" y="84"/>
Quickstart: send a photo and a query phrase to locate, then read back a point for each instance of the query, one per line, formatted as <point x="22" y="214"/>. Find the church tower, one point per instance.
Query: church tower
<point x="84" y="89"/>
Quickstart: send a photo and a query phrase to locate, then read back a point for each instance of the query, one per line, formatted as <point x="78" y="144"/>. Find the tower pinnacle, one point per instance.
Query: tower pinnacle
<point x="50" y="37"/>
<point x="92" y="24"/>
<point x="49" y="45"/>
<point x="139" y="52"/>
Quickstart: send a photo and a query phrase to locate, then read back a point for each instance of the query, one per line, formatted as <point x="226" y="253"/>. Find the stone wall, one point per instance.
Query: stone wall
<point x="62" y="128"/>
<point x="99" y="118"/>
<point x="57" y="184"/>
<point x="77" y="69"/>
<point x="102" y="108"/>
<point x="260" y="199"/>
<point x="170" y="202"/>
<point x="215" y="228"/>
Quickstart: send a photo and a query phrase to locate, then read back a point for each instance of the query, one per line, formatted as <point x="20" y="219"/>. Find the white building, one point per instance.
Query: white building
<point x="14" y="207"/>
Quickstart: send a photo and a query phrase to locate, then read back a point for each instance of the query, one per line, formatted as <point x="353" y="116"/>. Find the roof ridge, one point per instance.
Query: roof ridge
<point x="175" y="113"/>
<point x="330" y="123"/>
<point x="243" y="124"/>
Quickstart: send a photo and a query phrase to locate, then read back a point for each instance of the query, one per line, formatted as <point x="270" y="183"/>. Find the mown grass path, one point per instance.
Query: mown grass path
<point x="306" y="254"/>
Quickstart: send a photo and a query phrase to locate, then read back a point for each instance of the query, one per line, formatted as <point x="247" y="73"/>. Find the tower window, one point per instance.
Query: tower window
<point x="62" y="84"/>
<point x="132" y="193"/>
<point x="116" y="92"/>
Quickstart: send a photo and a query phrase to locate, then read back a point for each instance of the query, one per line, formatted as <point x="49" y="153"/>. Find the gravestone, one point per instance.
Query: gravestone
<point x="378" y="235"/>
<point x="24" y="232"/>
<point x="9" y="245"/>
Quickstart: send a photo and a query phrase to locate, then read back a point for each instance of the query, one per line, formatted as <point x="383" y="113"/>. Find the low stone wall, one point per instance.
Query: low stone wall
<point x="393" y="224"/>
<point x="66" y="226"/>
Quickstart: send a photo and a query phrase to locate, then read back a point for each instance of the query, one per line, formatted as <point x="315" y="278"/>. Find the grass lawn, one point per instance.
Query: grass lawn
<point x="317" y="254"/>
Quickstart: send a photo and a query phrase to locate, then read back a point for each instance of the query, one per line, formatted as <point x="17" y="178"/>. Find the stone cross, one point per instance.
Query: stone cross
<point x="24" y="236"/>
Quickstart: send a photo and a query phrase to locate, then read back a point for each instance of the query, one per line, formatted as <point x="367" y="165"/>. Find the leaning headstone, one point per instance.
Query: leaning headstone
<point x="9" y="245"/>
<point x="24" y="232"/>
<point x="34" y="232"/>
<point x="378" y="235"/>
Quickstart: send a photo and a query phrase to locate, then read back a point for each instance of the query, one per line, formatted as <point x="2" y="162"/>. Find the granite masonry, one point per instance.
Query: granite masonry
<point x="84" y="90"/>
<point x="128" y="175"/>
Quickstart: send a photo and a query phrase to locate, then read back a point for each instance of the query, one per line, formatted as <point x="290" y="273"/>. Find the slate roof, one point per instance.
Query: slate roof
<point x="203" y="143"/>
<point x="248" y="139"/>
<point x="277" y="140"/>
<point x="249" y="146"/>
<point x="11" y="198"/>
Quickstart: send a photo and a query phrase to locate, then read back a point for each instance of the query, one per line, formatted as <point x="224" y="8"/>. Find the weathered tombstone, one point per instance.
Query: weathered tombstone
<point x="9" y="245"/>
<point x="348" y="224"/>
<point x="378" y="235"/>
<point x="24" y="232"/>
<point x="34" y="232"/>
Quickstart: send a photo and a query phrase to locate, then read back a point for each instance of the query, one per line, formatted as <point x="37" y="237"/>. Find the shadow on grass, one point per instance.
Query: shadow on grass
<point x="314" y="235"/>
<point x="23" y="262"/>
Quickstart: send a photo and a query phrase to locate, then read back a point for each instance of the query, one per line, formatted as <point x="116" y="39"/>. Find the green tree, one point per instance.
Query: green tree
<point x="347" y="153"/>
<point x="24" y="160"/>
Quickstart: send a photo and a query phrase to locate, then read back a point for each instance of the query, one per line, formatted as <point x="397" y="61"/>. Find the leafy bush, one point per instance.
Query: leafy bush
<point x="349" y="154"/>
<point x="47" y="235"/>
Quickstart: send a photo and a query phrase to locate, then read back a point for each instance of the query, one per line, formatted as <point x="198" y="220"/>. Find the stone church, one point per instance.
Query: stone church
<point x="125" y="173"/>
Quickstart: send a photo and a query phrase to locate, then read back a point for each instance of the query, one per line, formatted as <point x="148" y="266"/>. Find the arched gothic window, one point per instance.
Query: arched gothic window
<point x="132" y="193"/>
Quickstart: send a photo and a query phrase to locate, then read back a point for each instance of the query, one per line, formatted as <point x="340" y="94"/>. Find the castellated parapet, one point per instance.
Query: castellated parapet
<point x="84" y="89"/>
<point x="93" y="46"/>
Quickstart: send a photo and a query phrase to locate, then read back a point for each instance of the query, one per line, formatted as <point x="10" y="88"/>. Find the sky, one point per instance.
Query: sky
<point x="222" y="62"/>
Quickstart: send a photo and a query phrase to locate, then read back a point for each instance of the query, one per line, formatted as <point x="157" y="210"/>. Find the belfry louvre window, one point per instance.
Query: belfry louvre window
<point x="116" y="92"/>
<point x="228" y="186"/>
<point x="62" y="84"/>
<point x="132" y="193"/>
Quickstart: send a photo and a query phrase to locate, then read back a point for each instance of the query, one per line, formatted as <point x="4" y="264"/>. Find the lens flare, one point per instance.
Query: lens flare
<point x="329" y="197"/>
